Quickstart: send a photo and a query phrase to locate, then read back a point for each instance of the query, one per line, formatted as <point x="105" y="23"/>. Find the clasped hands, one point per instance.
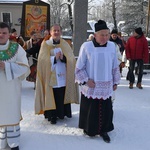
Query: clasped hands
<point x="59" y="55"/>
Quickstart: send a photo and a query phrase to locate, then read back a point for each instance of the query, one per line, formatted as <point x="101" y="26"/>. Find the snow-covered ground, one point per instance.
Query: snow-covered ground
<point x="131" y="121"/>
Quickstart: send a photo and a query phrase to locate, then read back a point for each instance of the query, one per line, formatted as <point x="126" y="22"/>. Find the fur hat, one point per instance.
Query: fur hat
<point x="100" y="25"/>
<point x="114" y="31"/>
<point x="139" y="31"/>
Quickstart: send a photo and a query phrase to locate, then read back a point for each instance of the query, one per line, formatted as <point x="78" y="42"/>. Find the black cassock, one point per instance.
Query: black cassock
<point x="96" y="116"/>
<point x="62" y="109"/>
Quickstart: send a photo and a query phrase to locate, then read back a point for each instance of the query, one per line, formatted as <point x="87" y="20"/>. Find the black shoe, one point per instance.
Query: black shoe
<point x="84" y="132"/>
<point x="45" y="114"/>
<point x="53" y="120"/>
<point x="15" y="148"/>
<point x="105" y="137"/>
<point x="69" y="116"/>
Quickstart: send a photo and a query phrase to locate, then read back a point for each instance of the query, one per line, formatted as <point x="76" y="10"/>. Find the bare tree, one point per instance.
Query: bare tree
<point x="134" y="14"/>
<point x="106" y="10"/>
<point x="70" y="13"/>
<point x="114" y="13"/>
<point x="61" y="12"/>
<point x="94" y="10"/>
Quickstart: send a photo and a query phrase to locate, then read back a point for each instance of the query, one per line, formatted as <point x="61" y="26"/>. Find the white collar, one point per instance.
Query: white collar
<point x="4" y="47"/>
<point x="50" y="41"/>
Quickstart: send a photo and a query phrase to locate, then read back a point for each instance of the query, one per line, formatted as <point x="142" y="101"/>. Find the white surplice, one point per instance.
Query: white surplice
<point x="59" y="67"/>
<point x="99" y="64"/>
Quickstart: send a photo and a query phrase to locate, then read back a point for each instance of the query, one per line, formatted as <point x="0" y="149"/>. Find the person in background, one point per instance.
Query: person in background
<point x="46" y="33"/>
<point x="125" y="63"/>
<point x="97" y="73"/>
<point x="123" y="40"/>
<point x="55" y="87"/>
<point x="137" y="52"/>
<point x="32" y="53"/>
<point x="32" y="41"/>
<point x="91" y="37"/>
<point x="119" y="57"/>
<point x="13" y="69"/>
<point x="114" y="38"/>
<point x="32" y="48"/>
<point x="14" y="37"/>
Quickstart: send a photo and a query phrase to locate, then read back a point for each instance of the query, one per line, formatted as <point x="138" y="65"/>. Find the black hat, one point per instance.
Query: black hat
<point x="100" y="25"/>
<point x="139" y="31"/>
<point x="114" y="31"/>
<point x="13" y="30"/>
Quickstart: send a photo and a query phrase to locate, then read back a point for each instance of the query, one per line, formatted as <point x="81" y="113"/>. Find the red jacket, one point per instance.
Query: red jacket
<point x="137" y="48"/>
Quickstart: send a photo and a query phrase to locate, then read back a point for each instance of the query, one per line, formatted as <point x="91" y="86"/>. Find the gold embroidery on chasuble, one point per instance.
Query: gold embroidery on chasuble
<point x="53" y="80"/>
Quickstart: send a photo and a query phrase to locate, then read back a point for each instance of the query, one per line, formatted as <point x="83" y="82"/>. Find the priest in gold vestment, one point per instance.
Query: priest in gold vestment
<point x="55" y="85"/>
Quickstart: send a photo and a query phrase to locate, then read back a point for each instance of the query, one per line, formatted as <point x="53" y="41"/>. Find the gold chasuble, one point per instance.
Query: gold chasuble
<point x="46" y="79"/>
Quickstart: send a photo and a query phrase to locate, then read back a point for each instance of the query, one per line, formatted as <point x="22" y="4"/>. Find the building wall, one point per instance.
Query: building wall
<point x="16" y="13"/>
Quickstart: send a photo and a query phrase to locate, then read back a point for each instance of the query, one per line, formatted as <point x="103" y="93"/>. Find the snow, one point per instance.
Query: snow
<point x="131" y="121"/>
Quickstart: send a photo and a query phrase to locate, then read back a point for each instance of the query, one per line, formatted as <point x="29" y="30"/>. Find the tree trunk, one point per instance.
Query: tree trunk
<point x="114" y="13"/>
<point x="70" y="15"/>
